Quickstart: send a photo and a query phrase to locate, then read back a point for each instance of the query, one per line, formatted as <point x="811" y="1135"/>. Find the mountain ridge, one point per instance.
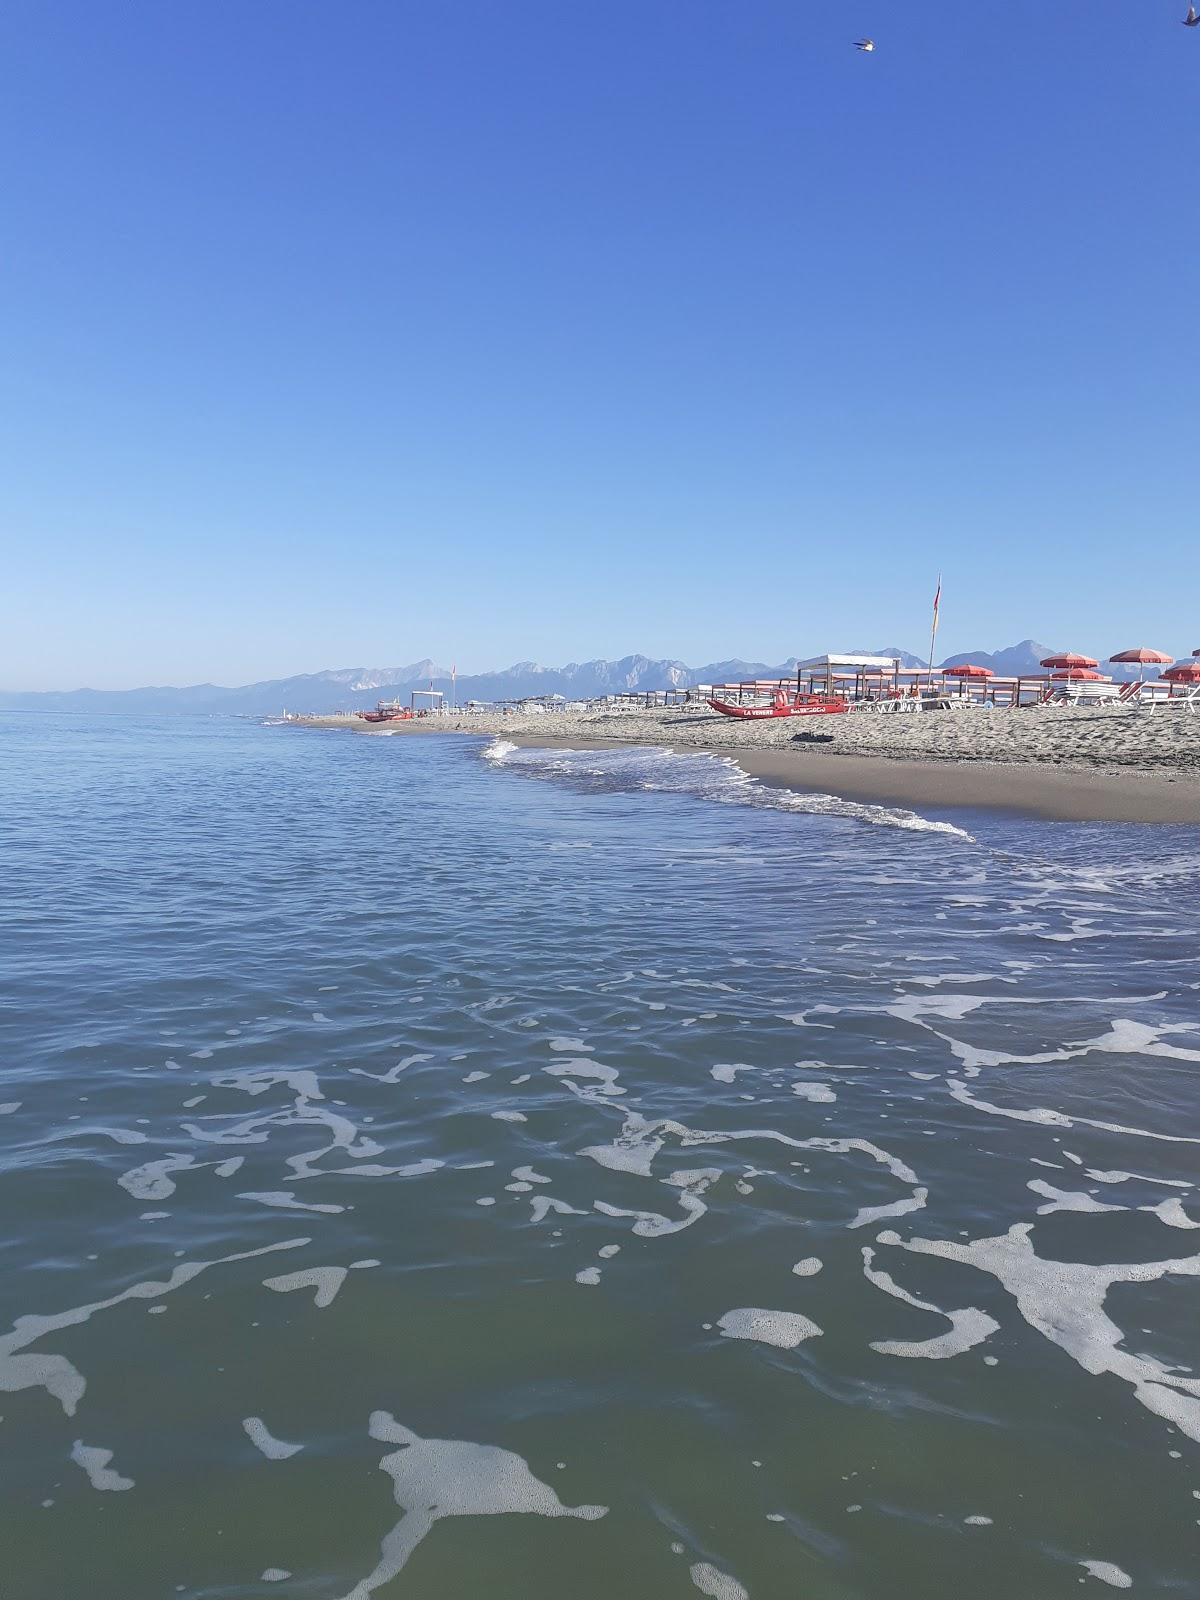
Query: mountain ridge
<point x="356" y="688"/>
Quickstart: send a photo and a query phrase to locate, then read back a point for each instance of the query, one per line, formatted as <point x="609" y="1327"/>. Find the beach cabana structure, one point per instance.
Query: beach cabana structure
<point x="743" y="689"/>
<point x="865" y="672"/>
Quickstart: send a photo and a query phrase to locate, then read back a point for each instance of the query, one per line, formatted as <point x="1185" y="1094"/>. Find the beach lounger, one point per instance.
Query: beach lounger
<point x="1187" y="700"/>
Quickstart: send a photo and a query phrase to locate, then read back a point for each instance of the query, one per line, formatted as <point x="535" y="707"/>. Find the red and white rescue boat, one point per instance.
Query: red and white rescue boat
<point x="782" y="704"/>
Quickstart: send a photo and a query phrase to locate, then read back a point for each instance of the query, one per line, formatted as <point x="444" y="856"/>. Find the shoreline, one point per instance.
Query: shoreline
<point x="1050" y="793"/>
<point x="1063" y="792"/>
<point x="1048" y="784"/>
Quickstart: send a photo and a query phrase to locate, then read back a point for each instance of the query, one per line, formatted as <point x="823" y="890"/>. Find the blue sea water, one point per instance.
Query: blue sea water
<point x="435" y="1168"/>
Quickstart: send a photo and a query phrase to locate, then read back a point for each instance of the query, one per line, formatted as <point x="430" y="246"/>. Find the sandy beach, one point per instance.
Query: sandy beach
<point x="1069" y="763"/>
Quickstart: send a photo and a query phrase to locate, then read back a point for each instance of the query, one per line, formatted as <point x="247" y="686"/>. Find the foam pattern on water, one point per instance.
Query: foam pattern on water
<point x="728" y="1197"/>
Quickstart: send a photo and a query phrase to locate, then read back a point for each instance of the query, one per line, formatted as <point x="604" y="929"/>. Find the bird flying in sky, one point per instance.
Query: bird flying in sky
<point x="1192" y="20"/>
<point x="869" y="44"/>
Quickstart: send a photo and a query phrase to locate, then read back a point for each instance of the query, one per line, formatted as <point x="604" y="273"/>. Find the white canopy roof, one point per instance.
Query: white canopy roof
<point x="853" y="663"/>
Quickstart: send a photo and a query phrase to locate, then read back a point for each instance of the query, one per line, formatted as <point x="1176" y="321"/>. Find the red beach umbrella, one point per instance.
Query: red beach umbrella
<point x="1144" y="656"/>
<point x="1184" y="672"/>
<point x="970" y="670"/>
<point x="1076" y="674"/>
<point x="1068" y="658"/>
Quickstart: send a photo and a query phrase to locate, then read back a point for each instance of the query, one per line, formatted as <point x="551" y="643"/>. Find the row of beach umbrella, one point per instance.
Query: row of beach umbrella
<point x="1068" y="664"/>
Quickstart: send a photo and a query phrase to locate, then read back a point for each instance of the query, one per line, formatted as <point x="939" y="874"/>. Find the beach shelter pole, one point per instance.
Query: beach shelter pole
<point x="937" y="600"/>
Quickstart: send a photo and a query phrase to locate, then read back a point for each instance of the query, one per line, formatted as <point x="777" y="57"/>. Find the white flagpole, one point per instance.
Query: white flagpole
<point x="937" y="600"/>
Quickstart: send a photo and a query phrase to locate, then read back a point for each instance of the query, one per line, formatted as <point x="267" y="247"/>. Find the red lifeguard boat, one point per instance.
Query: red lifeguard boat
<point x="387" y="711"/>
<point x="782" y="704"/>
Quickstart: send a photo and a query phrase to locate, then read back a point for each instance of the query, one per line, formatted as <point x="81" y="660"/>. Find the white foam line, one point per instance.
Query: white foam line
<point x="716" y="1584"/>
<point x="1057" y="1119"/>
<point x="607" y="1076"/>
<point x="783" y="1329"/>
<point x="968" y="1326"/>
<point x="437" y="1478"/>
<point x="1124" y="1036"/>
<point x="152" y="1181"/>
<point x="1171" y="1213"/>
<point x="285" y="1200"/>
<point x="651" y="1224"/>
<point x="1067" y="1199"/>
<point x="325" y="1280"/>
<point x="1133" y="1177"/>
<point x="55" y="1373"/>
<point x="117" y="1135"/>
<point x="727" y="1072"/>
<point x="264" y="1440"/>
<point x="542" y="1204"/>
<point x="705" y="776"/>
<point x="342" y="1133"/>
<point x="898" y="1208"/>
<point x="302" y="1081"/>
<point x="372" y="1169"/>
<point x="1108" y="1573"/>
<point x="819" y="1094"/>
<point x="94" y="1462"/>
<point x="1064" y="1301"/>
<point x="393" y="1073"/>
<point x="639" y="1141"/>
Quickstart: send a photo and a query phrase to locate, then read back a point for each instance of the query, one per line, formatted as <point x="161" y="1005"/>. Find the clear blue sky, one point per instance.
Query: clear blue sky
<point x="350" y="331"/>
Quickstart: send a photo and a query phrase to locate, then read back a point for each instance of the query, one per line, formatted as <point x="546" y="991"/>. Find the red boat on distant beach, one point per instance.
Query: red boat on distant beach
<point x="782" y="704"/>
<point x="387" y="711"/>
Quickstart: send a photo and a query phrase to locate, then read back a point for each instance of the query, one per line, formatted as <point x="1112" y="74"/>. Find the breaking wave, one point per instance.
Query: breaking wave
<point x="704" y="776"/>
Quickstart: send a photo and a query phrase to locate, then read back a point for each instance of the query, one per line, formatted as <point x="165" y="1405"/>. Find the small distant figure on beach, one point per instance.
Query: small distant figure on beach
<point x="1192" y="20"/>
<point x="869" y="44"/>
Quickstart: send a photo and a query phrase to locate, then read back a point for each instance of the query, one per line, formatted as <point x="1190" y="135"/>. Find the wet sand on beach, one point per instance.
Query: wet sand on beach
<point x="1064" y="763"/>
<point x="1063" y="795"/>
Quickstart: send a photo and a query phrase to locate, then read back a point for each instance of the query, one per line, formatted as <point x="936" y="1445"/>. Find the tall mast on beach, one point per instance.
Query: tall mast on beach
<point x="937" y="600"/>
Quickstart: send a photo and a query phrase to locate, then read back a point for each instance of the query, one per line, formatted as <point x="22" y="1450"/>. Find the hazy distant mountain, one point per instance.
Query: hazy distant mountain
<point x="1025" y="657"/>
<point x="357" y="687"/>
<point x="904" y="657"/>
<point x="310" y="691"/>
<point x="590" y="679"/>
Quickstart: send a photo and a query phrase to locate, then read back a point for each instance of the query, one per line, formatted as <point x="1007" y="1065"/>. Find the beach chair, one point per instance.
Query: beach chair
<point x="1188" y="701"/>
<point x="1158" y="697"/>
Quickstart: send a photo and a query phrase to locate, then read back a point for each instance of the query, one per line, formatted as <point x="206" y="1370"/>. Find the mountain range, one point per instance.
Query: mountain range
<point x="358" y="687"/>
